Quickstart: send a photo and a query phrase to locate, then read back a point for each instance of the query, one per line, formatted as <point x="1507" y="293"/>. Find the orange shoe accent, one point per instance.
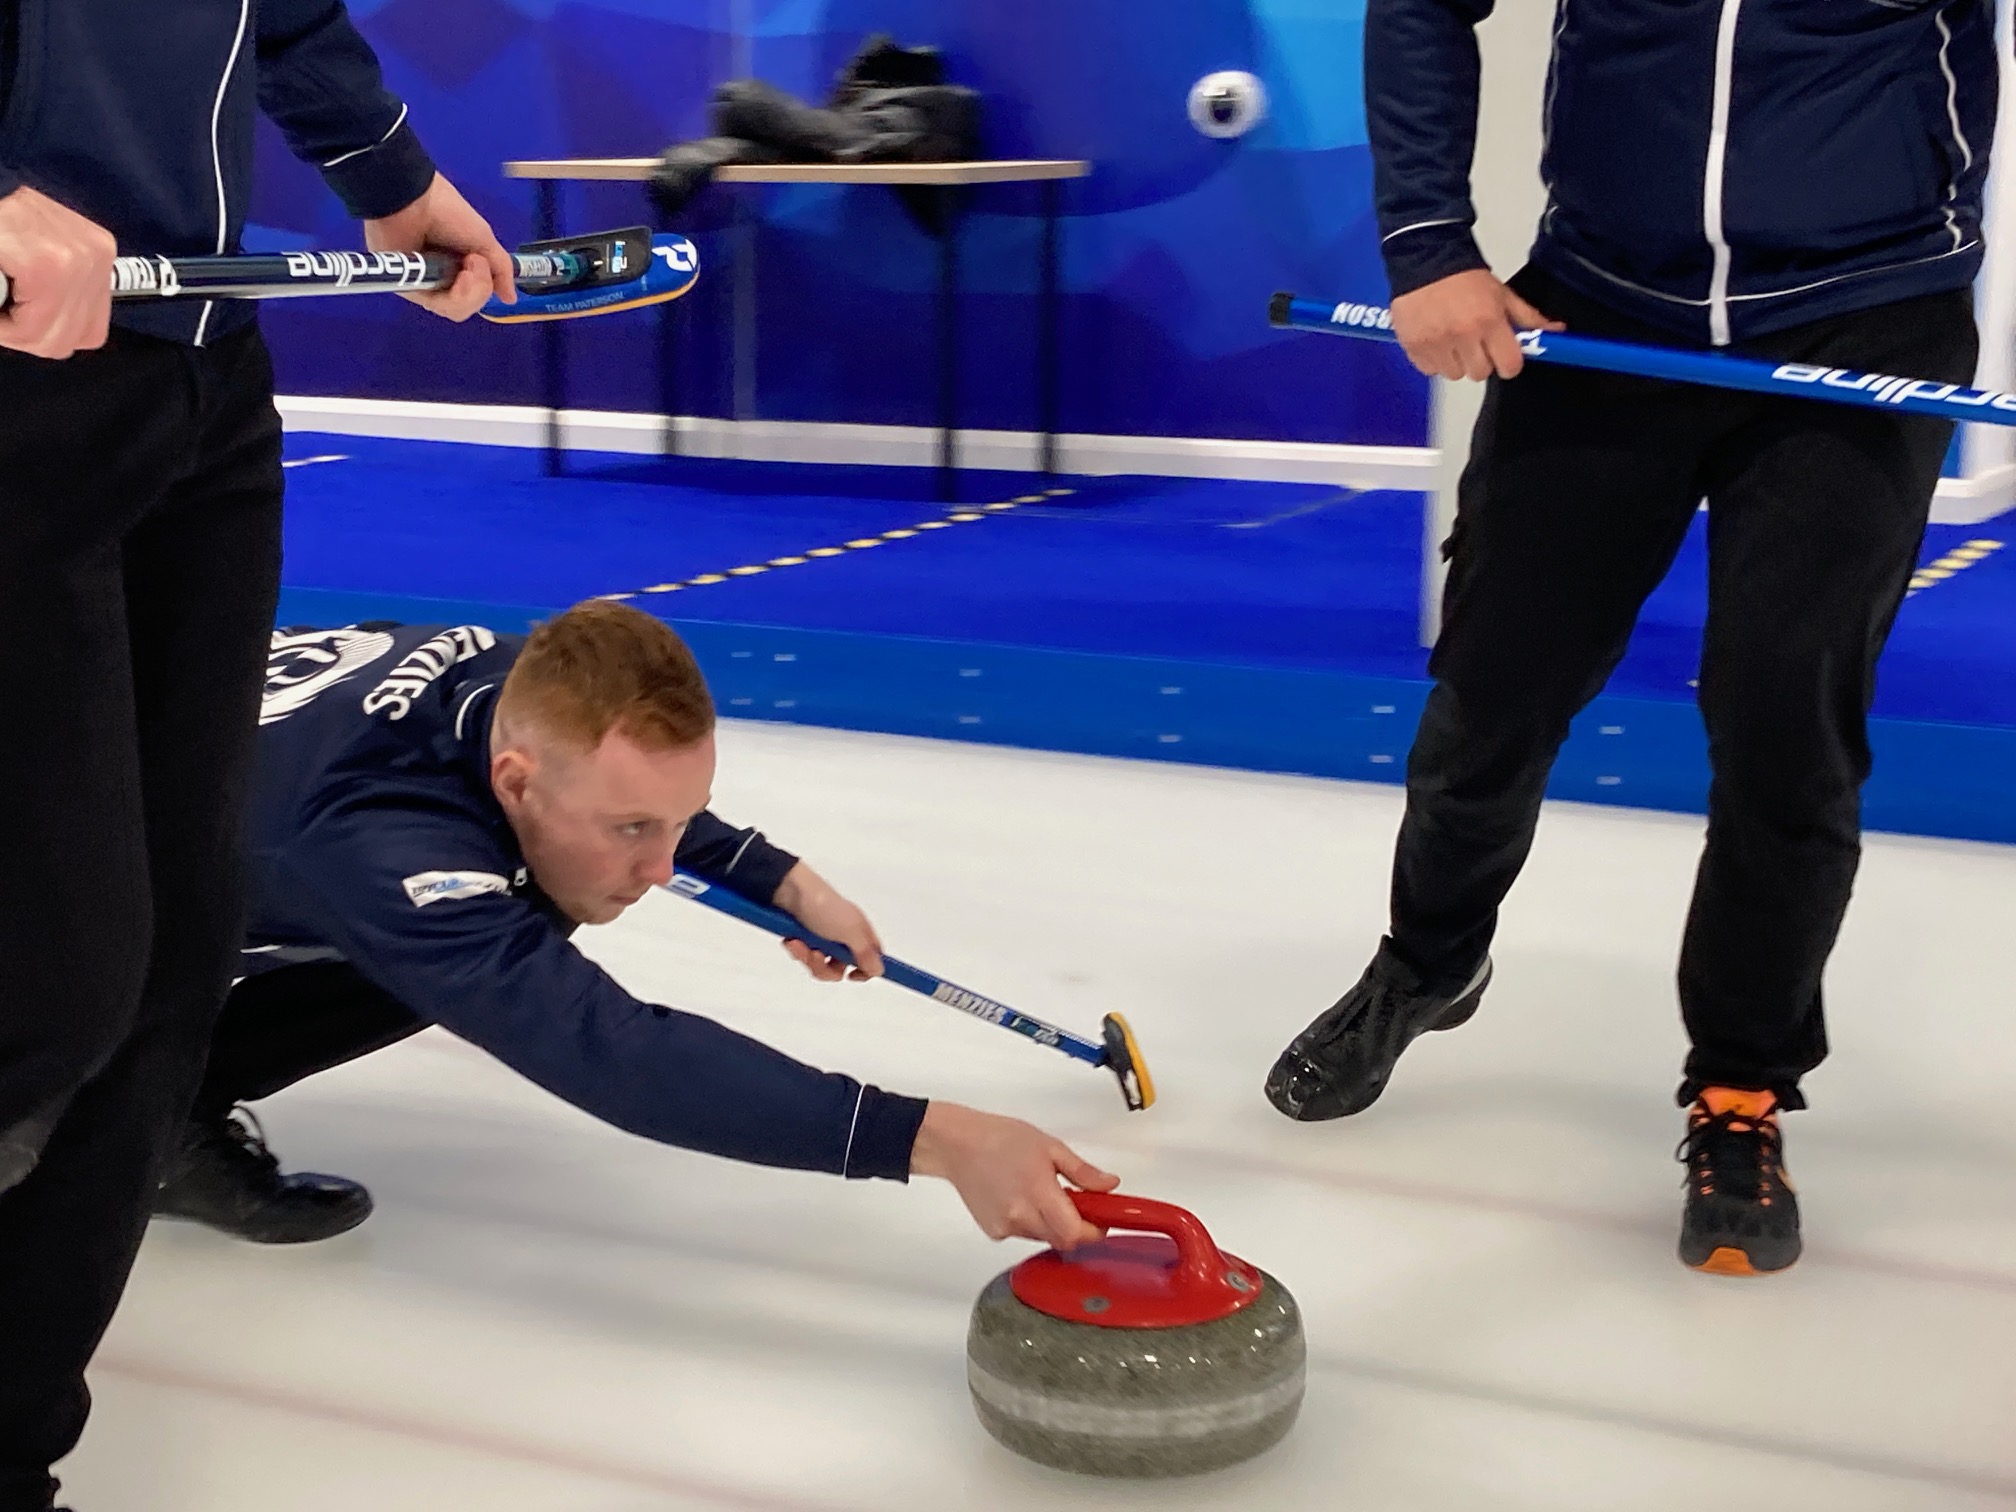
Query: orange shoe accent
<point x="1728" y="1261"/>
<point x="1754" y="1106"/>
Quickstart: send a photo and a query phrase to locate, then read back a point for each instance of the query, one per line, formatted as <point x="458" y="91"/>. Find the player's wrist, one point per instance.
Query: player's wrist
<point x="800" y="887"/>
<point x="791" y="889"/>
<point x="938" y="1139"/>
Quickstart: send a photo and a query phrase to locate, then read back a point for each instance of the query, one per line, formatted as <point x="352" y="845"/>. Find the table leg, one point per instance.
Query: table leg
<point x="1049" y="374"/>
<point x="553" y="354"/>
<point x="948" y="344"/>
<point x="668" y="366"/>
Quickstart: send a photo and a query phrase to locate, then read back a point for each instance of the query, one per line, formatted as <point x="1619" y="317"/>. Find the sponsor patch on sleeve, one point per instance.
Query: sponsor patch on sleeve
<point x="437" y="886"/>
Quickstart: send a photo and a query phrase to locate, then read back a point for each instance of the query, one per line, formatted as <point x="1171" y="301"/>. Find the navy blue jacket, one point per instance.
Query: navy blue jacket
<point x="376" y="840"/>
<point x="1719" y="168"/>
<point x="139" y="115"/>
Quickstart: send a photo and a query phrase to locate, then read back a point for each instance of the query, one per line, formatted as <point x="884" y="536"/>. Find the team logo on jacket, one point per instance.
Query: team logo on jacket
<point x="438" y="886"/>
<point x="420" y="666"/>
<point x="300" y="668"/>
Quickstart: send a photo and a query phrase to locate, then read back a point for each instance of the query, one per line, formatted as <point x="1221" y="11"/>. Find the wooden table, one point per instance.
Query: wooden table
<point x="946" y="184"/>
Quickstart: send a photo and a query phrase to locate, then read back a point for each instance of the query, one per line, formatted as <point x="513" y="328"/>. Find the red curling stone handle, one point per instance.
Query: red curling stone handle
<point x="1137" y="1282"/>
<point x="1199" y="1262"/>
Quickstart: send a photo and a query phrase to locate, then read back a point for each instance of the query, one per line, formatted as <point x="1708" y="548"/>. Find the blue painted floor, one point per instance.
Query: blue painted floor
<point x="1260" y="625"/>
<point x="1273" y="575"/>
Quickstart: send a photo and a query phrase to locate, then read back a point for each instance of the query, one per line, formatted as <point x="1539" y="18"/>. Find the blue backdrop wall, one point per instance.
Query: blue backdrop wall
<point x="1172" y="247"/>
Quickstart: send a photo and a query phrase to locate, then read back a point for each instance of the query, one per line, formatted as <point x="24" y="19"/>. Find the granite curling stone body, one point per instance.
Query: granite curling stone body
<point x="1137" y="1356"/>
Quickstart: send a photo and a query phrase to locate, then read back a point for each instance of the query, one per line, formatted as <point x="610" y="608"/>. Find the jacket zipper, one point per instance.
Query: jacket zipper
<point x="1712" y="185"/>
<point x="1953" y="120"/>
<point x="216" y="153"/>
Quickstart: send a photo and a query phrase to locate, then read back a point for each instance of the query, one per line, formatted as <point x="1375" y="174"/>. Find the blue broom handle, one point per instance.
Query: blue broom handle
<point x="785" y="927"/>
<point x="1805" y="380"/>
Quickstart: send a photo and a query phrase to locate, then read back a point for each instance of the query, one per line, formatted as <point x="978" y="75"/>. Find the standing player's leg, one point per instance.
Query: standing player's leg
<point x="87" y="447"/>
<point x="82" y="456"/>
<point x="1579" y="490"/>
<point x="276" y="1029"/>
<point x="200" y="575"/>
<point x="1816" y="517"/>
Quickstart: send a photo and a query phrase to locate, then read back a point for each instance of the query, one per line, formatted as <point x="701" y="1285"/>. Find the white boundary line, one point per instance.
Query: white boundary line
<point x="884" y="445"/>
<point x="1961" y="501"/>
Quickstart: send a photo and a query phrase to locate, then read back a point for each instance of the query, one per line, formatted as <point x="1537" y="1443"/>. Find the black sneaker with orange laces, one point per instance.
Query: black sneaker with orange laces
<point x="1742" y="1216"/>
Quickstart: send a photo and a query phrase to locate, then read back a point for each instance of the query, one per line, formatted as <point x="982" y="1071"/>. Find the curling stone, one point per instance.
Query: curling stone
<point x="1138" y="1356"/>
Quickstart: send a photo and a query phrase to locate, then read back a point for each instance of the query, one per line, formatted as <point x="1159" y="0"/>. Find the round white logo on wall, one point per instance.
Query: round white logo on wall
<point x="1227" y="105"/>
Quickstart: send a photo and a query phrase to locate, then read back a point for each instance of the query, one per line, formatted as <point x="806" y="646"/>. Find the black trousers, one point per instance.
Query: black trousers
<point x="282" y="1025"/>
<point x="1578" y="493"/>
<point x="139" y="564"/>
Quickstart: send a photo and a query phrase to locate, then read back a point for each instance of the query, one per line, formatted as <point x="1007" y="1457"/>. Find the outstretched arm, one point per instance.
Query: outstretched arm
<point x="745" y="862"/>
<point x="421" y="909"/>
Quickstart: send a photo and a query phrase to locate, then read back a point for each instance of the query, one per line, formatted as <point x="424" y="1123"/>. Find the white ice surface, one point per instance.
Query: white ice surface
<point x="548" y="1316"/>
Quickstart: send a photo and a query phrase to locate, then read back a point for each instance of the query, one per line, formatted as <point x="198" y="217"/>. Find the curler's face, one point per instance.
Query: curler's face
<point x="599" y="828"/>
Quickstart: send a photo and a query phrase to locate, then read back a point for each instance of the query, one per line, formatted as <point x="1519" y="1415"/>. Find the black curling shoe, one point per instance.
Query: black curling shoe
<point x="223" y="1175"/>
<point x="1340" y="1064"/>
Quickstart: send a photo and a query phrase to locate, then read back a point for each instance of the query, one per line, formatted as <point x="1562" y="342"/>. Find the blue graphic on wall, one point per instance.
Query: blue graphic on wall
<point x="1171" y="247"/>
